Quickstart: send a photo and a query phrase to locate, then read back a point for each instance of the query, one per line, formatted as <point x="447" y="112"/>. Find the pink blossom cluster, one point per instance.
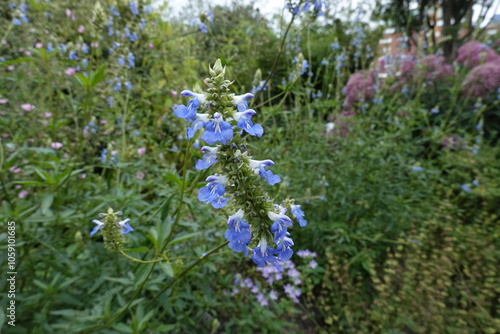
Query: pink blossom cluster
<point x="483" y="80"/>
<point x="360" y="87"/>
<point x="475" y="53"/>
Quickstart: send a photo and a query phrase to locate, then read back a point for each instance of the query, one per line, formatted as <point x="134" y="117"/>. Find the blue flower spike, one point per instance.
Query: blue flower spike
<point x="223" y="118"/>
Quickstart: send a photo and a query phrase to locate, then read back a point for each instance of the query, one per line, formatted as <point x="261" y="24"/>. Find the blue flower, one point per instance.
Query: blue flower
<point x="97" y="227"/>
<point x="217" y="131"/>
<point x="72" y="55"/>
<point x="280" y="224"/>
<point x="214" y="191"/>
<point x="476" y="183"/>
<point x="465" y="187"/>
<point x="239" y="101"/>
<point x="435" y="110"/>
<point x="49" y="48"/>
<point x="198" y="123"/>
<point x="299" y="215"/>
<point x="202" y="27"/>
<point x="118" y="85"/>
<point x="283" y="249"/>
<point x="271" y="178"/>
<point x="244" y="122"/>
<point x="125" y="226"/>
<point x="120" y="61"/>
<point x="416" y="169"/>
<point x="189" y="112"/>
<point x="200" y="97"/>
<point x="238" y="234"/>
<point x="128" y="85"/>
<point x="264" y="254"/>
<point x="104" y="153"/>
<point x="133" y="8"/>
<point x="258" y="168"/>
<point x="113" y="10"/>
<point x="209" y="158"/>
<point x="131" y="59"/>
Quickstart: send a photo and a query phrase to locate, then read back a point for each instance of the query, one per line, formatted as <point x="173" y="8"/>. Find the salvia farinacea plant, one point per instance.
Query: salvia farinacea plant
<point x="223" y="120"/>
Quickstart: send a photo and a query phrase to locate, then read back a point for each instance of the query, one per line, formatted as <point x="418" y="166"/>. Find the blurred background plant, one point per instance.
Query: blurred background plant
<point x="395" y="161"/>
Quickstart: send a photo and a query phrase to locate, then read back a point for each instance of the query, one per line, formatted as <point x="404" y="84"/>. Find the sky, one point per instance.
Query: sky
<point x="270" y="7"/>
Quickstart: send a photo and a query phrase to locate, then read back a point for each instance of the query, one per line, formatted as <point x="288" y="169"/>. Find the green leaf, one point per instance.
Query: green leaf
<point x="184" y="238"/>
<point x="47" y="201"/>
<point x="98" y="76"/>
<point x="165" y="328"/>
<point x="17" y="61"/>
<point x="167" y="269"/>
<point x="172" y="177"/>
<point x="83" y="80"/>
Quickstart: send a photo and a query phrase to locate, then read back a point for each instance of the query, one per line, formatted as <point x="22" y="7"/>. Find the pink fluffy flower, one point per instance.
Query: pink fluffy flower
<point x="27" y="107"/>
<point x="70" y="71"/>
<point x="23" y="194"/>
<point x="39" y="45"/>
<point x="3" y="101"/>
<point x="139" y="175"/>
<point x="483" y="80"/>
<point x="15" y="169"/>
<point x="474" y="53"/>
<point x="434" y="68"/>
<point x="56" y="145"/>
<point x="81" y="29"/>
<point x="47" y="115"/>
<point x="141" y="150"/>
<point x="359" y="87"/>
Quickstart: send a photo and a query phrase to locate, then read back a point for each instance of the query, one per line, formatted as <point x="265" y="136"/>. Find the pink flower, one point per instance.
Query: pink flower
<point x="359" y="87"/>
<point x="483" y="80"/>
<point x="94" y="44"/>
<point x="28" y="53"/>
<point x="70" y="71"/>
<point x="56" y="145"/>
<point x="47" y="115"/>
<point x="139" y="175"/>
<point x="23" y="194"/>
<point x="68" y="12"/>
<point x="10" y="68"/>
<point x="27" y="107"/>
<point x="81" y="29"/>
<point x="174" y="93"/>
<point x="141" y="150"/>
<point x="14" y="169"/>
<point x="474" y="53"/>
<point x="39" y="45"/>
<point x="151" y="45"/>
<point x="3" y="101"/>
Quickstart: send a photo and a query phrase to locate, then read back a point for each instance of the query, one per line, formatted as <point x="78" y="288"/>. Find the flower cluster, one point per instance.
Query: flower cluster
<point x="223" y="120"/>
<point x="290" y="279"/>
<point x="112" y="228"/>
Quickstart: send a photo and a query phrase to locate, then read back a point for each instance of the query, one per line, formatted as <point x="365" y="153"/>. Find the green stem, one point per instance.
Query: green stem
<point x="137" y="260"/>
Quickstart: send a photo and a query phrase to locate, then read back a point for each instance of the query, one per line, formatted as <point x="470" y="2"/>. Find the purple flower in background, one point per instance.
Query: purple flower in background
<point x="483" y="80"/>
<point x="475" y="53"/>
<point x="359" y="87"/>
